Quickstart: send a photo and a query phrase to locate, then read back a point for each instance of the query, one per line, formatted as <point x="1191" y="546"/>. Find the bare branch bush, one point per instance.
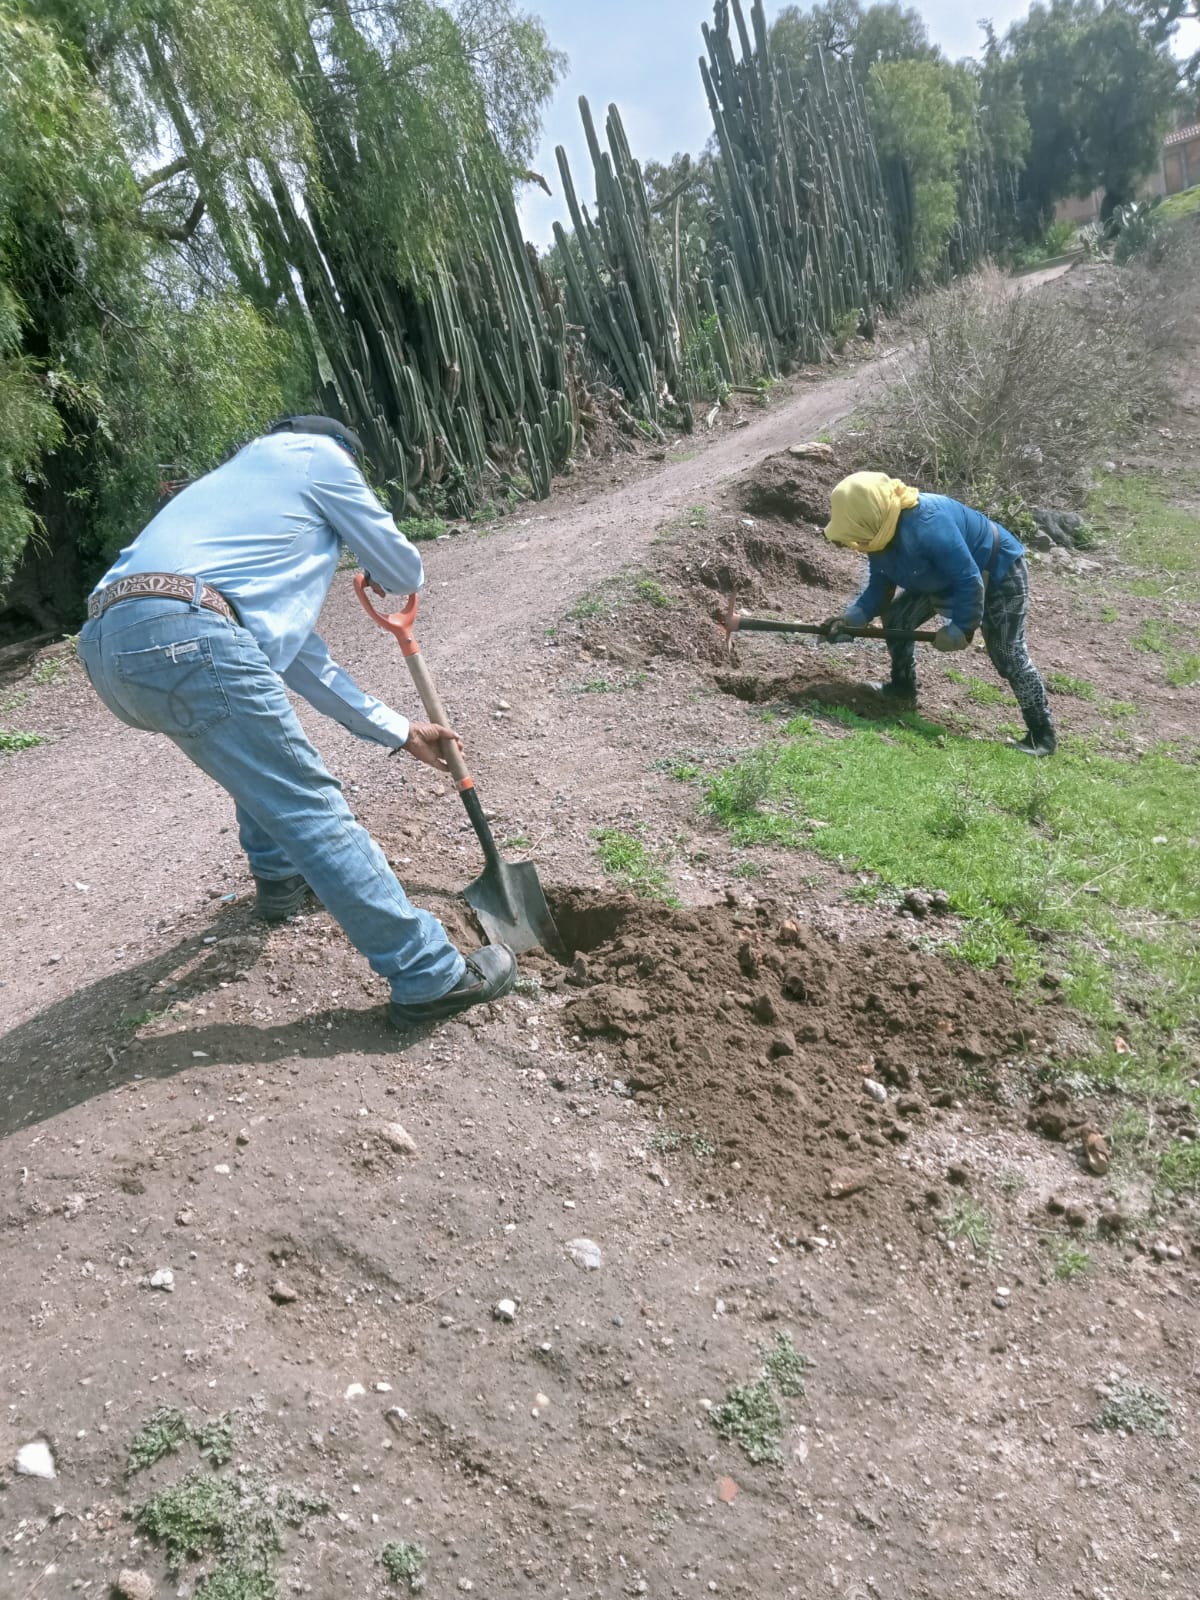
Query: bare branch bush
<point x="1005" y="397"/>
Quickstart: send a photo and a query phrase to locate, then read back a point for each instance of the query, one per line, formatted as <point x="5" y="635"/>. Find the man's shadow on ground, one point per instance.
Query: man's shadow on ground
<point x="84" y="1045"/>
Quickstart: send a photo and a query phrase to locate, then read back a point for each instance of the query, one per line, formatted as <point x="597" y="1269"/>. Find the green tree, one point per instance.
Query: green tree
<point x="1098" y="90"/>
<point x="860" y="35"/>
<point x="923" y="117"/>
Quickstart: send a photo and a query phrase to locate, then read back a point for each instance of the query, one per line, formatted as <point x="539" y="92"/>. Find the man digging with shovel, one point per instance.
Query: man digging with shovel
<point x="947" y="559"/>
<point x="194" y="632"/>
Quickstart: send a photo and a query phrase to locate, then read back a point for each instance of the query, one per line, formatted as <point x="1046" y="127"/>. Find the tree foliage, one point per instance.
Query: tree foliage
<point x="1098" y="85"/>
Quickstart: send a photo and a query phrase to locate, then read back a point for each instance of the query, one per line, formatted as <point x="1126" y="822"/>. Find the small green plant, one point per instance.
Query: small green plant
<point x="748" y="869"/>
<point x="1012" y="1182"/>
<point x="745" y="787"/>
<point x="587" y="606"/>
<point x="666" y="1140"/>
<point x="1109" y="614"/>
<point x="967" y="1219"/>
<point x="1135" y="1408"/>
<point x="1183" y="671"/>
<point x="750" y="1416"/>
<point x="785" y="1366"/>
<point x="214" y="1440"/>
<point x="1179" y="1167"/>
<point x="626" y="858"/>
<point x="684" y="772"/>
<point x="651" y="590"/>
<point x="631" y="680"/>
<point x="48" y="670"/>
<point x="697" y="516"/>
<point x="515" y="841"/>
<point x="1063" y="683"/>
<point x="18" y="741"/>
<point x="404" y="1562"/>
<point x="161" y="1433"/>
<point x="1121" y="708"/>
<point x="420" y="529"/>
<point x="1070" y="1262"/>
<point x="702" y="1145"/>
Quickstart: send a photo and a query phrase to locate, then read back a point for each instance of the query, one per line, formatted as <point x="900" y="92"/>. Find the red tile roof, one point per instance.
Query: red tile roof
<point x="1182" y="135"/>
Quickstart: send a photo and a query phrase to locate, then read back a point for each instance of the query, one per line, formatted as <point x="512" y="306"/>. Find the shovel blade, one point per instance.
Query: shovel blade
<point x="508" y="900"/>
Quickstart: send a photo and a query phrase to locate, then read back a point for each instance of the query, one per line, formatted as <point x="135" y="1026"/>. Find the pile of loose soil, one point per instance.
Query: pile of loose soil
<point x="793" y="485"/>
<point x="817" y="680"/>
<point x="775" y="1041"/>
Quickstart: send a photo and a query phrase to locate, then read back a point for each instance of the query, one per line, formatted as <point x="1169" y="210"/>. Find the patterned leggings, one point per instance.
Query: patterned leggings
<point x="1005" y="607"/>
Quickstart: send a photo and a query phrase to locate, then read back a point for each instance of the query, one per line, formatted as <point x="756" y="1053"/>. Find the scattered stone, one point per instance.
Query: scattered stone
<point x="134" y="1585"/>
<point x="585" y="1253"/>
<point x="917" y="903"/>
<point x="541" y="1401"/>
<point x="243" y="1137"/>
<point x="354" y="1390"/>
<point x="1076" y="1216"/>
<point x="34" y="1460"/>
<point x="727" y="1491"/>
<point x="1161" y="1250"/>
<point x="876" y="1090"/>
<point x="765" y="1011"/>
<point x="396" y="1137"/>
<point x="783" y="1044"/>
<point x="223" y="1168"/>
<point x="789" y="933"/>
<point x="184" y="1218"/>
<point x="282" y="1293"/>
<point x="910" y="1105"/>
<point x="1095" y="1153"/>
<point x="844" y="1181"/>
<point x="1112" y="1223"/>
<point x="381" y="1387"/>
<point x="163" y="1279"/>
<point x="813" y="451"/>
<point x="1000" y="1301"/>
<point x="505" y="1311"/>
<point x="73" y="1205"/>
<point x="395" y="1417"/>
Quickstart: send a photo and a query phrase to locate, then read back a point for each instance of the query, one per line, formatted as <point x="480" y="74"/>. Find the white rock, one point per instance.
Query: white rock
<point x="382" y="1388"/>
<point x="505" y="1310"/>
<point x="354" y="1390"/>
<point x="875" y="1090"/>
<point x="585" y="1253"/>
<point x="396" y="1137"/>
<point x="163" y="1279"/>
<point x="35" y="1461"/>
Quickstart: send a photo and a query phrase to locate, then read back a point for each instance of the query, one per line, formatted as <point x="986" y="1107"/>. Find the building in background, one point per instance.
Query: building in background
<point x="1178" y="168"/>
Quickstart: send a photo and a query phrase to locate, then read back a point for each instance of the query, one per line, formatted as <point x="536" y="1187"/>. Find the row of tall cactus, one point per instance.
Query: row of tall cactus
<point x="475" y="387"/>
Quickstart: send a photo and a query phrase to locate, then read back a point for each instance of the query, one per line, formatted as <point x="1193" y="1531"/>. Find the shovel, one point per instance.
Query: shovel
<point x="740" y="622"/>
<point x="506" y="897"/>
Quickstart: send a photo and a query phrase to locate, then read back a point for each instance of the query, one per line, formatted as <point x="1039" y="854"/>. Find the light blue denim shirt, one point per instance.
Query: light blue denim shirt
<point x="266" y="529"/>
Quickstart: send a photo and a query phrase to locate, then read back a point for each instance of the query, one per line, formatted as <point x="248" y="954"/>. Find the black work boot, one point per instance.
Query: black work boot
<point x="490" y="974"/>
<point x="277" y="899"/>
<point x="900" y="692"/>
<point x="1041" y="740"/>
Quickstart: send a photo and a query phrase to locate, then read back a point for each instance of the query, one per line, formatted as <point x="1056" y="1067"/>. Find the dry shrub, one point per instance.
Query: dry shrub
<point x="1005" y="395"/>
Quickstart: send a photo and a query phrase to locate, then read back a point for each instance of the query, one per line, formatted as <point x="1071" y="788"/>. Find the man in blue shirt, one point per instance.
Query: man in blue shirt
<point x="947" y="559"/>
<point x="194" y="633"/>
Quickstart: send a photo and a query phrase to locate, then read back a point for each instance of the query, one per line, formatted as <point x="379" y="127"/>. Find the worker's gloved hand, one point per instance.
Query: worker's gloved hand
<point x="425" y="743"/>
<point x="836" y="629"/>
<point x="950" y="638"/>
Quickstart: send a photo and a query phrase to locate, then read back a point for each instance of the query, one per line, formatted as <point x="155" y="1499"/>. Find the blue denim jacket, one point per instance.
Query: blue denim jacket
<point x="940" y="547"/>
<point x="266" y="529"/>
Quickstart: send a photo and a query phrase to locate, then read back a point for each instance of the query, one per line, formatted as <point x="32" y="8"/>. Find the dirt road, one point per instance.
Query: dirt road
<point x="183" y="1093"/>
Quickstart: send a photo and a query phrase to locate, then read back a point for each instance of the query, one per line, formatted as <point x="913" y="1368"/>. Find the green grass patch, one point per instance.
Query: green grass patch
<point x="631" y="680"/>
<point x="164" y="1431"/>
<point x="18" y="741"/>
<point x="650" y="590"/>
<point x="1109" y="614"/>
<point x="982" y="692"/>
<point x="235" y="1525"/>
<point x="1179" y="205"/>
<point x="1179" y="1167"/>
<point x="1098" y="851"/>
<point x="1183" y="670"/>
<point x="968" y="1220"/>
<point x="404" y="1562"/>
<point x="1063" y="683"/>
<point x="1161" y="637"/>
<point x="422" y="529"/>
<point x="785" y="1366"/>
<point x="1137" y="516"/>
<point x="627" y="858"/>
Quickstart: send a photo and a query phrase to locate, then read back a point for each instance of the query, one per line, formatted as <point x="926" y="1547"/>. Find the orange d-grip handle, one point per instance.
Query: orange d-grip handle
<point x="398" y="623"/>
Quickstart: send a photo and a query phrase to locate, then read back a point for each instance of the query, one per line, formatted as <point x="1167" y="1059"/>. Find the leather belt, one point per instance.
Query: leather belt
<point x="160" y="586"/>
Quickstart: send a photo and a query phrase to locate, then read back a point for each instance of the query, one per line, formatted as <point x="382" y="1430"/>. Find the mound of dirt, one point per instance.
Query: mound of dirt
<point x="800" y="1057"/>
<point x="793" y="488"/>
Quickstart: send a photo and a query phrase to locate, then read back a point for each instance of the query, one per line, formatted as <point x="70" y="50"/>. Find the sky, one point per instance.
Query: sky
<point x="643" y="54"/>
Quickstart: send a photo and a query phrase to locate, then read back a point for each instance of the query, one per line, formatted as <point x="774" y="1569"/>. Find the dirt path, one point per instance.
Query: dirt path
<point x="183" y="1092"/>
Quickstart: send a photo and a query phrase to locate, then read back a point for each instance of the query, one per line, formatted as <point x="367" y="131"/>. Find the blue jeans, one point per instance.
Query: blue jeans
<point x="167" y="667"/>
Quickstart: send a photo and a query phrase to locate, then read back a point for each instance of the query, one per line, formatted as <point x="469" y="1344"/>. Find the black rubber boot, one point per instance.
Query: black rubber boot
<point x="1041" y="740"/>
<point x="900" y="693"/>
<point x="490" y="974"/>
<point x="277" y="899"/>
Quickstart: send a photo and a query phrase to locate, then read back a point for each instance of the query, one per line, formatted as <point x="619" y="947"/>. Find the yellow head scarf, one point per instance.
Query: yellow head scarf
<point x="865" y="508"/>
